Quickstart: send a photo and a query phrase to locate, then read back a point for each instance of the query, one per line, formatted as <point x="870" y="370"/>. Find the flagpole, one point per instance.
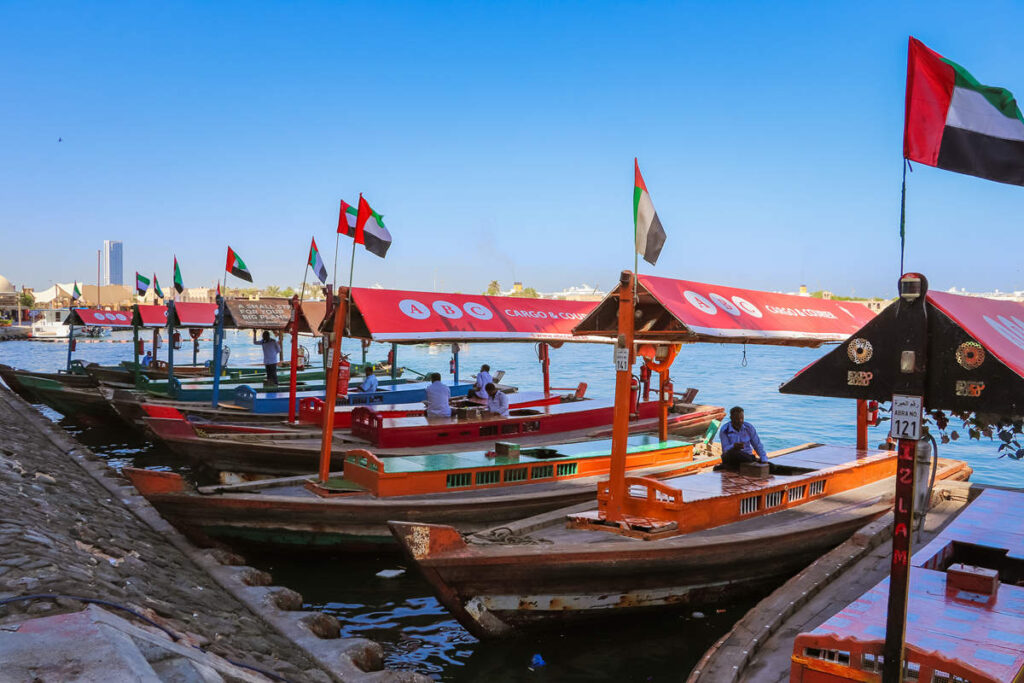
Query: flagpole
<point x="903" y="215"/>
<point x="337" y="240"/>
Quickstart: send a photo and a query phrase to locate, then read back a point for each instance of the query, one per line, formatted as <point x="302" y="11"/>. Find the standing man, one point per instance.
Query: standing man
<point x="497" y="401"/>
<point x="740" y="441"/>
<point x="438" y="397"/>
<point x="483" y="378"/>
<point x="271" y="352"/>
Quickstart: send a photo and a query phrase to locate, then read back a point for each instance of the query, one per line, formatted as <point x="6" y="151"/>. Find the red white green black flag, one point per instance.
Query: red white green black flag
<point x="317" y="263"/>
<point x="75" y="293"/>
<point x="955" y="123"/>
<point x="141" y="284"/>
<point x="236" y="266"/>
<point x="650" y="236"/>
<point x="370" y="231"/>
<point x="179" y="285"/>
<point x="156" y="288"/>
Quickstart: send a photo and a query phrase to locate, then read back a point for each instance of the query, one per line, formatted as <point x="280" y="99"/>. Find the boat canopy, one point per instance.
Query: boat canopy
<point x="313" y="313"/>
<point x="387" y="315"/>
<point x="975" y="358"/>
<point x="95" y="317"/>
<point x="677" y="311"/>
<point x="194" y="314"/>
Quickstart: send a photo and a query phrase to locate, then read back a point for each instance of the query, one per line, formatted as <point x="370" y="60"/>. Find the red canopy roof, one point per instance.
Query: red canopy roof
<point x="997" y="325"/>
<point x="195" y="314"/>
<point x="685" y="311"/>
<point x="402" y="316"/>
<point x="151" y="315"/>
<point x="100" y="318"/>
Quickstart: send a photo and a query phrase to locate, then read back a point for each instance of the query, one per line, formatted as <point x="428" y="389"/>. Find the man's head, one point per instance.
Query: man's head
<point x="435" y="377"/>
<point x="736" y="417"/>
<point x="491" y="389"/>
<point x="369" y="371"/>
<point x="266" y="336"/>
<point x="485" y="368"/>
<point x="149" y="353"/>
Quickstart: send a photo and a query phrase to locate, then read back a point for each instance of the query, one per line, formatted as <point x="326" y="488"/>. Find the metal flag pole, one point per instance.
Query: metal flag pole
<point x="903" y="214"/>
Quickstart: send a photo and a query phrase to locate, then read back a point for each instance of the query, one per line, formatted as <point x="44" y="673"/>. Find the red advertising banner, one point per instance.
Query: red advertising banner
<point x="99" y="318"/>
<point x="401" y="316"/>
<point x="717" y="312"/>
<point x="996" y="325"/>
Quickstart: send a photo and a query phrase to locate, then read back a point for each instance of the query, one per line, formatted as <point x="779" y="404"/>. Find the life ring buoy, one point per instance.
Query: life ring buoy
<point x="664" y="365"/>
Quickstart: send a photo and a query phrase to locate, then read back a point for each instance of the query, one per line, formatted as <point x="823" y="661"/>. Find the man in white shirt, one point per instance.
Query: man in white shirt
<point x="370" y="383"/>
<point x="438" y="397"/>
<point x="497" y="401"/>
<point x="271" y="352"/>
<point x="483" y="378"/>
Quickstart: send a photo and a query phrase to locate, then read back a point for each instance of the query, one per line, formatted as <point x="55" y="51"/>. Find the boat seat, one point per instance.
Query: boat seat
<point x="688" y="396"/>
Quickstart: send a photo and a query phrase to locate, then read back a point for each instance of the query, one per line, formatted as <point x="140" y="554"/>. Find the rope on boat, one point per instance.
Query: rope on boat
<point x="503" y="535"/>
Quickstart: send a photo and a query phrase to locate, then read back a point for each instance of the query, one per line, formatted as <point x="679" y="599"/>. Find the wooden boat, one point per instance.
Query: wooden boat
<point x="71" y="401"/>
<point x="471" y="490"/>
<point x="295" y="450"/>
<point x="687" y="542"/>
<point x="966" y="598"/>
<point x="12" y="377"/>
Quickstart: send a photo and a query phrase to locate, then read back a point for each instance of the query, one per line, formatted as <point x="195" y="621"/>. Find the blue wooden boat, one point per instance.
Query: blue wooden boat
<point x="261" y="402"/>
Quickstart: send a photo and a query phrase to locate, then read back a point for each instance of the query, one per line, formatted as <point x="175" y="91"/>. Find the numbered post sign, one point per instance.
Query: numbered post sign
<point x="906" y="417"/>
<point x="621" y="359"/>
<point x="330" y="357"/>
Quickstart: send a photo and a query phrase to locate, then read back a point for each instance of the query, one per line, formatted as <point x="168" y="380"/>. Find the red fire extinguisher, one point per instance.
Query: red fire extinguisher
<point x="391" y="357"/>
<point x="344" y="375"/>
<point x="73" y="343"/>
<point x="634" y="394"/>
<point x="141" y="347"/>
<point x="451" y="365"/>
<point x="176" y="339"/>
<point x="645" y="380"/>
<point x="872" y="413"/>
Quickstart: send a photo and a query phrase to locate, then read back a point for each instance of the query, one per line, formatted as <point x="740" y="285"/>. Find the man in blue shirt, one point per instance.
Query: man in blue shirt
<point x="370" y="383"/>
<point x="740" y="441"/>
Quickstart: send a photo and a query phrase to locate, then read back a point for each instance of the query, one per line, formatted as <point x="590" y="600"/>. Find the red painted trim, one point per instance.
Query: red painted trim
<point x="930" y="84"/>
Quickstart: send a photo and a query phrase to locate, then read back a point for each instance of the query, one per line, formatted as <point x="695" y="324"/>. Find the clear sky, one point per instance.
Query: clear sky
<point x="497" y="139"/>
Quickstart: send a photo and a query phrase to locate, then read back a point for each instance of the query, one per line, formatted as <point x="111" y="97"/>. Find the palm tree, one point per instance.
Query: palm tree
<point x="493" y="289"/>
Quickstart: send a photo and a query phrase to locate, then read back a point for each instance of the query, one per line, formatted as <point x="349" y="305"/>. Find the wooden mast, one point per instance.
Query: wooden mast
<point x="293" y="375"/>
<point x="620" y="418"/>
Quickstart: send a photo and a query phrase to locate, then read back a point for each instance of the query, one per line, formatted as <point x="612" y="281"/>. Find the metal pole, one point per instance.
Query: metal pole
<point x="620" y="416"/>
<point x="135" y="346"/>
<point x="455" y="357"/>
<point x="170" y="350"/>
<point x="71" y="341"/>
<point x="331" y="392"/>
<point x="98" y="295"/>
<point x="293" y="379"/>
<point x="218" y="343"/>
<point x="394" y="362"/>
<point x="545" y="365"/>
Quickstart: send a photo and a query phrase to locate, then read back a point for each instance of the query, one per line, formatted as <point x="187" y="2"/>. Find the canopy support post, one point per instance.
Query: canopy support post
<point x="331" y="390"/>
<point x="293" y="379"/>
<point x="135" y="348"/>
<point x="664" y="399"/>
<point x="71" y="341"/>
<point x="455" y="363"/>
<point x="394" y="362"/>
<point x="620" y="416"/>
<point x="218" y="344"/>
<point x="170" y="350"/>
<point x="543" y="352"/>
<point x="862" y="424"/>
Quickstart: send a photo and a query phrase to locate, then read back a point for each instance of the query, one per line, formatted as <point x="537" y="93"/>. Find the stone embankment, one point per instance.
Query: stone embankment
<point x="71" y="526"/>
<point x="14" y="332"/>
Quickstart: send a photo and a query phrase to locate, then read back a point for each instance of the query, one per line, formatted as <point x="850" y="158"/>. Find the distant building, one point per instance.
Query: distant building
<point x="112" y="263"/>
<point x="583" y="292"/>
<point x="8" y="298"/>
<point x="1017" y="295"/>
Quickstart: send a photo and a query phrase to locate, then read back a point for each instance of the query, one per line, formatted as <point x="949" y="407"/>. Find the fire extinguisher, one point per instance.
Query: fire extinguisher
<point x="344" y="375"/>
<point x="872" y="413"/>
<point x="645" y="380"/>
<point x="320" y="347"/>
<point x="73" y="343"/>
<point x="141" y="350"/>
<point x="177" y="340"/>
<point x="634" y="394"/>
<point x="668" y="395"/>
<point x="451" y="365"/>
<point x="391" y="357"/>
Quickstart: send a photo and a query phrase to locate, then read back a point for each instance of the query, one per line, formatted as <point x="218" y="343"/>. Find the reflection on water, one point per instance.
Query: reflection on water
<point x="402" y="614"/>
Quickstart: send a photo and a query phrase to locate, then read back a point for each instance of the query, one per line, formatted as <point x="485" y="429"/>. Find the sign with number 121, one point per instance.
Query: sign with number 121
<point x="906" y="417"/>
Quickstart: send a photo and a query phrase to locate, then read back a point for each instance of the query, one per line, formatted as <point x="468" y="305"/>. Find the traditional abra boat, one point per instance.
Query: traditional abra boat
<point x="469" y="489"/>
<point x="653" y="544"/>
<point x="966" y="598"/>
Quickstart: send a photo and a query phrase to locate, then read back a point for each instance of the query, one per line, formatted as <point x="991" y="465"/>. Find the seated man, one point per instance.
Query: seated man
<point x="370" y="383"/>
<point x="438" y="397"/>
<point x="147" y="360"/>
<point x="740" y="441"/>
<point x="483" y="378"/>
<point x="497" y="401"/>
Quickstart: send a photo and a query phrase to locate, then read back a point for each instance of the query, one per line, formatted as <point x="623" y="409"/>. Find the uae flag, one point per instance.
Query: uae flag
<point x="374" y="236"/>
<point x="316" y="262"/>
<point x="75" y="293"/>
<point x="954" y="122"/>
<point x="156" y="287"/>
<point x="650" y="236"/>
<point x="179" y="285"/>
<point x="236" y="266"/>
<point x="141" y="284"/>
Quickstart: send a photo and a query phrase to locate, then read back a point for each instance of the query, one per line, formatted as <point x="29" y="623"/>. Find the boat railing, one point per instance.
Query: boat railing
<point x="367" y="424"/>
<point x="645" y="494"/>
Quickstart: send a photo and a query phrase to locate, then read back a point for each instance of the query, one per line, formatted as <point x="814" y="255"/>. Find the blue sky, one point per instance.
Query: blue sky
<point x="497" y="140"/>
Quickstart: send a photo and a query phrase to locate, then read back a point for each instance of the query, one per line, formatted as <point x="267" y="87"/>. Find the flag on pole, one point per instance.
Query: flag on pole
<point x="317" y="262"/>
<point x="156" y="287"/>
<point x="375" y="237"/>
<point x="649" y="235"/>
<point x="218" y="289"/>
<point x="955" y="123"/>
<point x="179" y="286"/>
<point x="75" y="293"/>
<point x="141" y="284"/>
<point x="236" y="266"/>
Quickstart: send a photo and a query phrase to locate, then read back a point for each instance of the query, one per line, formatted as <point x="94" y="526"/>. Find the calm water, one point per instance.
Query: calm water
<point x="402" y="614"/>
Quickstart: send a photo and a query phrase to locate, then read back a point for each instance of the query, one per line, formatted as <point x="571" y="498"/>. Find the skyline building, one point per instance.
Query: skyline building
<point x="113" y="262"/>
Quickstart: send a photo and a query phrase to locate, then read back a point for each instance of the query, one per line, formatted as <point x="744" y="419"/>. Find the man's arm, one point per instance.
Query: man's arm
<point x="755" y="441"/>
<point x="726" y="437"/>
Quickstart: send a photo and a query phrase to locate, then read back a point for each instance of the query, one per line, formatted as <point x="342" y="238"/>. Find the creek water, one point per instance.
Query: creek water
<point x="401" y="612"/>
